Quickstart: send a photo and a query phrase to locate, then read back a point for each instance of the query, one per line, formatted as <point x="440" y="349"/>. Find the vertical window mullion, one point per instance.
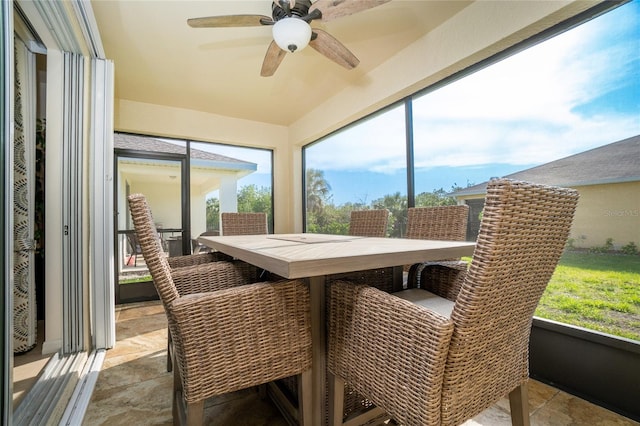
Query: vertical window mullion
<point x="411" y="195"/>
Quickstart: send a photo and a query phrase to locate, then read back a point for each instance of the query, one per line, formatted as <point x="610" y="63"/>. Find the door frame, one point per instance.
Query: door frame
<point x="146" y="291"/>
<point x="6" y="219"/>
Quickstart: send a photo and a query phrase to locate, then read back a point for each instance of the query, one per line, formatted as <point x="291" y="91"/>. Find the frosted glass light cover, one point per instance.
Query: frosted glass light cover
<point x="291" y="34"/>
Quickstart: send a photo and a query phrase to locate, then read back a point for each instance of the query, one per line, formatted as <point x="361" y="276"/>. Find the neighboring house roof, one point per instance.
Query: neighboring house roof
<point x="613" y="163"/>
<point x="198" y="157"/>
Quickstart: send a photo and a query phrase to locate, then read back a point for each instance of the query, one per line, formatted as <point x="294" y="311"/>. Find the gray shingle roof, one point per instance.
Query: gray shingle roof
<point x="613" y="163"/>
<point x="146" y="143"/>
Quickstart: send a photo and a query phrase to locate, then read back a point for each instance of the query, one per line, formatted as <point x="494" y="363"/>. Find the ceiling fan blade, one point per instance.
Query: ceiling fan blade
<point x="333" y="49"/>
<point x="229" y="21"/>
<point x="333" y="9"/>
<point x="272" y="60"/>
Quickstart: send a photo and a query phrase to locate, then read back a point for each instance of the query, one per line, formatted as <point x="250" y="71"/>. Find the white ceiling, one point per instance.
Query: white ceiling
<point x="159" y="59"/>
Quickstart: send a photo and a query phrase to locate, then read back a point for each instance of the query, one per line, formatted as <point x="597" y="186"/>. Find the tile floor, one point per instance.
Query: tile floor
<point x="134" y="388"/>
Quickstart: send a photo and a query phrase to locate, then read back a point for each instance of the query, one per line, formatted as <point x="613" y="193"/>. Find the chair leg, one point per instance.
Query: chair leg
<point x="177" y="406"/>
<point x="336" y="400"/>
<point x="169" y="352"/>
<point x="195" y="414"/>
<point x="305" y="404"/>
<point x="519" y="404"/>
<point x="184" y="413"/>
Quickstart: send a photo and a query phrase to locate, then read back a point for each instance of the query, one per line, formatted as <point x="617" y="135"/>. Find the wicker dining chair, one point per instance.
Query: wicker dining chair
<point x="244" y="223"/>
<point x="429" y="360"/>
<point x="436" y="223"/>
<point x="369" y="223"/>
<point x="228" y="337"/>
<point x="134" y="247"/>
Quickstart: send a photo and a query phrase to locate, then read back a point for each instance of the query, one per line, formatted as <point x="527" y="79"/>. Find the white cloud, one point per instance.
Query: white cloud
<point x="520" y="111"/>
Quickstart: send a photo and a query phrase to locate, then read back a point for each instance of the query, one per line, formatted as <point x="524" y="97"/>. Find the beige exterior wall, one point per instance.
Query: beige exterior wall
<point x="431" y="58"/>
<point x="604" y="211"/>
<point x="198" y="213"/>
<point x="607" y="211"/>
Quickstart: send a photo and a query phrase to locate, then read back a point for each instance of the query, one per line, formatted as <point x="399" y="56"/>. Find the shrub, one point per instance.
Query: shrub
<point x="630" y="248"/>
<point x="606" y="248"/>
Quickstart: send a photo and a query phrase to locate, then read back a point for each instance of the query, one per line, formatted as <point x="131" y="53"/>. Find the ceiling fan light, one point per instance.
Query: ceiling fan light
<point x="292" y="34"/>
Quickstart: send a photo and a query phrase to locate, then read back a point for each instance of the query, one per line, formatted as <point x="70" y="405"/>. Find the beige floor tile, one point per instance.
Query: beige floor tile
<point x="134" y="387"/>
<point x="567" y="410"/>
<point x="138" y="310"/>
<point x="539" y="394"/>
<point x="494" y="416"/>
<point x="133" y="403"/>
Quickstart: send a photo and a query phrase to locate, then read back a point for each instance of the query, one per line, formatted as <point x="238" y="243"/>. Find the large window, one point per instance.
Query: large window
<point x="565" y="111"/>
<point x="187" y="185"/>
<point x="360" y="167"/>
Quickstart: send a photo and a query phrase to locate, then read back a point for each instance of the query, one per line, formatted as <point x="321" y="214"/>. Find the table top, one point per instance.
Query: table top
<point x="308" y="255"/>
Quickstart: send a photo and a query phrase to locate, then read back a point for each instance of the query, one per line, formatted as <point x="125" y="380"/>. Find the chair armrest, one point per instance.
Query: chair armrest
<point x="392" y="351"/>
<point x="196" y="259"/>
<point x="240" y="337"/>
<point x="213" y="276"/>
<point x="381" y="278"/>
<point x="443" y="278"/>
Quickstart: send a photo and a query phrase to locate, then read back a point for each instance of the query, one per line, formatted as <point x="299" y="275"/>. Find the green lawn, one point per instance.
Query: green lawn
<point x="596" y="291"/>
<point x="135" y="280"/>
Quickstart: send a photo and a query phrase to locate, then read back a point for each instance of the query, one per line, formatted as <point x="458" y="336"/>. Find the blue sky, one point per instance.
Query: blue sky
<point x="568" y="94"/>
<point x="574" y="92"/>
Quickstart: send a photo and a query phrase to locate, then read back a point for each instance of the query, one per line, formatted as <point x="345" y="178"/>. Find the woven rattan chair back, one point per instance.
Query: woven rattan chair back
<point x="437" y="223"/>
<point x="244" y="223"/>
<point x="522" y="235"/>
<point x="151" y="249"/>
<point x="369" y="223"/>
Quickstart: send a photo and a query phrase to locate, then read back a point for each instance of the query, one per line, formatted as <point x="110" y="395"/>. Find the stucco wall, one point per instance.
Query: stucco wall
<point x="166" y="213"/>
<point x="607" y="211"/>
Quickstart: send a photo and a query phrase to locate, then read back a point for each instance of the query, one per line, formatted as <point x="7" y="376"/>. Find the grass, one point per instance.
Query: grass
<point x="134" y="280"/>
<point x="598" y="291"/>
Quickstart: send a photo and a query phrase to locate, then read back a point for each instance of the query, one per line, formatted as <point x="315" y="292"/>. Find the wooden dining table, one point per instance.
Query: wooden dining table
<point x="316" y="256"/>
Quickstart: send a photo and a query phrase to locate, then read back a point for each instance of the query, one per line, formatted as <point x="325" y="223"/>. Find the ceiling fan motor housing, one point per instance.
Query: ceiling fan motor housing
<point x="300" y="9"/>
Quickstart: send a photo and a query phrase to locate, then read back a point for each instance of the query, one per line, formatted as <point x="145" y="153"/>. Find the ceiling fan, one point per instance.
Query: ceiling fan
<point x="292" y="31"/>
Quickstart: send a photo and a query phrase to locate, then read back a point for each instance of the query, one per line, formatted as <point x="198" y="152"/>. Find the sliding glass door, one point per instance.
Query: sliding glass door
<point x="160" y="177"/>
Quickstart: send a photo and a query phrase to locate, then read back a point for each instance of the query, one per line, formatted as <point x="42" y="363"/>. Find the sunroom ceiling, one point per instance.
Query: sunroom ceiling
<point x="160" y="60"/>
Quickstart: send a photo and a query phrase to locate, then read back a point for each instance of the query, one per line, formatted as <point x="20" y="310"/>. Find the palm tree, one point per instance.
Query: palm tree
<point x="397" y="205"/>
<point x="318" y="190"/>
